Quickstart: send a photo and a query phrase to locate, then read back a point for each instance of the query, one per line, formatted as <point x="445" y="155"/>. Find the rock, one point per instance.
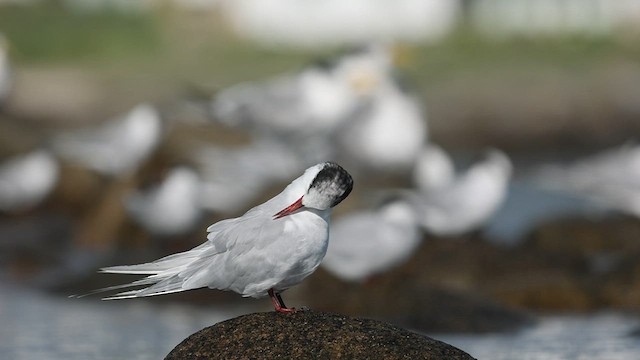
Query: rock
<point x="444" y="310"/>
<point x="620" y="289"/>
<point x="309" y="335"/>
<point x="520" y="277"/>
<point x="608" y="248"/>
<point x="587" y="238"/>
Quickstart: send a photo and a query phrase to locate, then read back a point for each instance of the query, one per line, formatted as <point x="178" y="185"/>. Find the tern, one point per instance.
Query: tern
<point x="387" y="132"/>
<point x="372" y="242"/>
<point x="231" y="178"/>
<point x="269" y="249"/>
<point x="305" y="109"/>
<point x="433" y="169"/>
<point x="116" y="147"/>
<point x="315" y="100"/>
<point x="27" y="179"/>
<point x="608" y="179"/>
<point x="171" y="207"/>
<point x="469" y="201"/>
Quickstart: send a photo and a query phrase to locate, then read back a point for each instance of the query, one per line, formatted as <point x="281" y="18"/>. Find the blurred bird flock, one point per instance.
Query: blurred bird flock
<point x="492" y="142"/>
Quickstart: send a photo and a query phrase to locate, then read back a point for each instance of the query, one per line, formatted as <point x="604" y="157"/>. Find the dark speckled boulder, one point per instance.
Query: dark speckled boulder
<point x="309" y="335"/>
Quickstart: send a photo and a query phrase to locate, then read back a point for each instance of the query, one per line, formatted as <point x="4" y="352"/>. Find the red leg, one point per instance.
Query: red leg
<point x="279" y="304"/>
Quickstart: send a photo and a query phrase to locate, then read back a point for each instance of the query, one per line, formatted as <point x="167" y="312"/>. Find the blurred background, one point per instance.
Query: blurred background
<point x="492" y="143"/>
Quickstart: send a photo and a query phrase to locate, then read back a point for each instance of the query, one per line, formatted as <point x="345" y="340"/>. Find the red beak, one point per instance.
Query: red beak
<point x="289" y="209"/>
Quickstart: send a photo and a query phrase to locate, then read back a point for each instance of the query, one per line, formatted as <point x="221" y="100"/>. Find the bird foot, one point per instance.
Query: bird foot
<point x="278" y="303"/>
<point x="286" y="310"/>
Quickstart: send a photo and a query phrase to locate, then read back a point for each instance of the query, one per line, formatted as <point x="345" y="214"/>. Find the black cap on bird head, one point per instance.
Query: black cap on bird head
<point x="329" y="187"/>
<point x="332" y="181"/>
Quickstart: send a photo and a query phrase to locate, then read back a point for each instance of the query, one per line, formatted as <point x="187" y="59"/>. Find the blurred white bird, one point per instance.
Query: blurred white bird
<point x="313" y="101"/>
<point x="469" y="201"/>
<point x="26" y="180"/>
<point x="116" y="147"/>
<point x="232" y="178"/>
<point x="171" y="207"/>
<point x="267" y="250"/>
<point x="610" y="179"/>
<point x="6" y="77"/>
<point x="433" y="169"/>
<point x="371" y="242"/>
<point x="386" y="133"/>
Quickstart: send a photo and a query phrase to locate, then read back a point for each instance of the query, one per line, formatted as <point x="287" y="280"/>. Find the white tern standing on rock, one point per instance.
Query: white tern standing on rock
<point x="271" y="248"/>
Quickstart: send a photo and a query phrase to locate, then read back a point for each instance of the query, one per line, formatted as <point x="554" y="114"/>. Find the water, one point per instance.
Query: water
<point x="601" y="336"/>
<point x="38" y="326"/>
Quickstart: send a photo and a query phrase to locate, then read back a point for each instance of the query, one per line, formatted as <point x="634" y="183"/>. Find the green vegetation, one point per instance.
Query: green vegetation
<point x="169" y="44"/>
<point x="469" y="52"/>
<point x="52" y="34"/>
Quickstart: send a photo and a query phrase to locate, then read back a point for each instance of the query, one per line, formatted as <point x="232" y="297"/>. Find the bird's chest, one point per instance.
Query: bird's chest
<point x="304" y="237"/>
<point x="287" y="251"/>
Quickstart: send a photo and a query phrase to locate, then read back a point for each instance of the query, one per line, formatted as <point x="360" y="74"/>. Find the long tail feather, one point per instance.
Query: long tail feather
<point x="166" y="275"/>
<point x="142" y="269"/>
<point x="161" y="285"/>
<point x="145" y="281"/>
<point x="156" y="267"/>
<point x="136" y="294"/>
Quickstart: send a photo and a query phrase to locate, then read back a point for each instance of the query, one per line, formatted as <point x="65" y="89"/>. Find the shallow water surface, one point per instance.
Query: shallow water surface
<point x="40" y="326"/>
<point x="602" y="336"/>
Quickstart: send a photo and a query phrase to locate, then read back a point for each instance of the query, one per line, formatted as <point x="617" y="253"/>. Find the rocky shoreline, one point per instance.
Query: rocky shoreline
<point x="455" y="284"/>
<point x="449" y="285"/>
